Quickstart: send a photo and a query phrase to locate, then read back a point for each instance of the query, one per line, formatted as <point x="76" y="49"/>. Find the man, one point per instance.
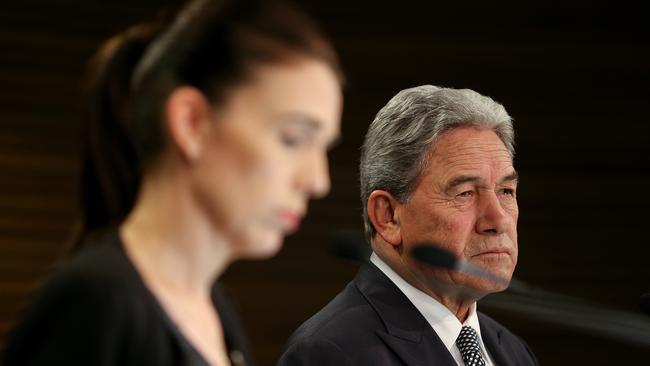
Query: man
<point x="436" y="168"/>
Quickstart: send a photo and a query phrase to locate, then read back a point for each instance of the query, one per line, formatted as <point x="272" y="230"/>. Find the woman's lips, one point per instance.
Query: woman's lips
<point x="291" y="219"/>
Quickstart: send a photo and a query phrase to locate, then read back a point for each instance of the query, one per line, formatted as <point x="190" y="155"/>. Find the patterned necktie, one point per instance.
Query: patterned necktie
<point x="467" y="343"/>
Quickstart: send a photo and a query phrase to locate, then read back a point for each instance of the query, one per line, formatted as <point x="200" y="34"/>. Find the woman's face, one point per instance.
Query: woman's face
<point x="266" y="154"/>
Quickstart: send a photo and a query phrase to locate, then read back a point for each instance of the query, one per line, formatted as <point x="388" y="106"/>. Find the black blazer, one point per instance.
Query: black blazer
<point x="371" y="322"/>
<point x="96" y="310"/>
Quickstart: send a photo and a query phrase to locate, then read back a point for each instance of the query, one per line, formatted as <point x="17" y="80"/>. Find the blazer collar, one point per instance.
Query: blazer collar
<point x="406" y="331"/>
<point x="491" y="334"/>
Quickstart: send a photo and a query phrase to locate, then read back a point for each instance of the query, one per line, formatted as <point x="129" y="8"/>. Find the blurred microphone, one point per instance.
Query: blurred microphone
<point x="437" y="257"/>
<point x="351" y="246"/>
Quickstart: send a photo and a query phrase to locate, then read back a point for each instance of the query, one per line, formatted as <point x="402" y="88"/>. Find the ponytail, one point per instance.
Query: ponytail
<point x="110" y="173"/>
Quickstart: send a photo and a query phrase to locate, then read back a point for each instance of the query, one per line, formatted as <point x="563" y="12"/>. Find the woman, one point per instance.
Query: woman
<point x="206" y="139"/>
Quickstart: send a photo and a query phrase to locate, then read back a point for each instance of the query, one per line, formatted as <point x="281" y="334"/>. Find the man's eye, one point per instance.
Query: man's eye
<point x="465" y="194"/>
<point x="508" y="191"/>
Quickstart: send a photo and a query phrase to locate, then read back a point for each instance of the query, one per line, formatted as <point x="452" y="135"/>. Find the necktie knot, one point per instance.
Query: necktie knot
<point x="467" y="343"/>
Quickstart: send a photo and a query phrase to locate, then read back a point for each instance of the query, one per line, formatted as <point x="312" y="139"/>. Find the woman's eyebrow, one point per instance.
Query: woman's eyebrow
<point x="302" y="120"/>
<point x="311" y="124"/>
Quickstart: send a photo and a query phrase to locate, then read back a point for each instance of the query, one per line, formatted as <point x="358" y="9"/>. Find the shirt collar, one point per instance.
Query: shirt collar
<point x="441" y="319"/>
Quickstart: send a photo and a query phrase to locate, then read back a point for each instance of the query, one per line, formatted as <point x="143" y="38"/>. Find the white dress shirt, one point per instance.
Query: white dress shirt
<point x="441" y="319"/>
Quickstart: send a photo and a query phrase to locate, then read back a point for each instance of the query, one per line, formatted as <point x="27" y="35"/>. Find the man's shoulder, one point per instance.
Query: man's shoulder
<point x="338" y="331"/>
<point x="347" y="311"/>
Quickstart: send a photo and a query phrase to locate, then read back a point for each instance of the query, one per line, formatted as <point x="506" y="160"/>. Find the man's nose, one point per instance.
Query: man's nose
<point x="493" y="219"/>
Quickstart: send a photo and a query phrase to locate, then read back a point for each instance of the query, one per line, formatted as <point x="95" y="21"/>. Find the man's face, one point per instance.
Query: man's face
<point x="465" y="201"/>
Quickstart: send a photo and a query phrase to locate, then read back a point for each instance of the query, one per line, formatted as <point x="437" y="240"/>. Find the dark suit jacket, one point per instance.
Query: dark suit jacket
<point x="371" y="322"/>
<point x="96" y="310"/>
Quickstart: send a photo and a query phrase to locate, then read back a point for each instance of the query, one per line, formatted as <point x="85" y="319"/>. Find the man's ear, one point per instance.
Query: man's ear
<point x="381" y="212"/>
<point x="187" y="115"/>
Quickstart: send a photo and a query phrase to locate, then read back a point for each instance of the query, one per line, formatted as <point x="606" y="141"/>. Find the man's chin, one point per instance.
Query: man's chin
<point x="496" y="276"/>
<point x="470" y="287"/>
<point x="480" y="287"/>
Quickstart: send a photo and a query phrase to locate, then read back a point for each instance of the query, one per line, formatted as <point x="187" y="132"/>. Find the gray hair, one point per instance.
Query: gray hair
<point x="394" y="152"/>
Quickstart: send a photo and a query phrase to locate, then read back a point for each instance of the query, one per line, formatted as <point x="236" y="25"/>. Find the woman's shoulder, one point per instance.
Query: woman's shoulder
<point x="97" y="278"/>
<point x="101" y="262"/>
<point x="87" y="309"/>
<point x="97" y="272"/>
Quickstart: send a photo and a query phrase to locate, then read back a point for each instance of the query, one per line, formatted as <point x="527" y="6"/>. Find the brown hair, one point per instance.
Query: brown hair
<point x="211" y="45"/>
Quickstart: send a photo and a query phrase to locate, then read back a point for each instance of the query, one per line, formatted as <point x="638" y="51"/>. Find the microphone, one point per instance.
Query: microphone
<point x="437" y="257"/>
<point x="350" y="246"/>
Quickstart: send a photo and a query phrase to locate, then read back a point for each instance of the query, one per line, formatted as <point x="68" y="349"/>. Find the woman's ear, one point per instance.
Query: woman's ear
<point x="381" y="212"/>
<point x="187" y="115"/>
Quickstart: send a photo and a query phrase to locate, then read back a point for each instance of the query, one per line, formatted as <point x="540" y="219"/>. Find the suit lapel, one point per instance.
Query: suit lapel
<point x="405" y="332"/>
<point x="492" y="339"/>
<point x="418" y="353"/>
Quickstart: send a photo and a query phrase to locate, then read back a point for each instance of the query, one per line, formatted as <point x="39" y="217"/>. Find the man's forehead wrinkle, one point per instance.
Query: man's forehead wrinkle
<point x="461" y="147"/>
<point x="467" y="157"/>
<point x="453" y="166"/>
<point x="457" y="158"/>
<point x="489" y="150"/>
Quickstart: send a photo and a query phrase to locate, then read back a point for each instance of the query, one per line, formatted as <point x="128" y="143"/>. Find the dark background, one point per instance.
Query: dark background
<point x="575" y="77"/>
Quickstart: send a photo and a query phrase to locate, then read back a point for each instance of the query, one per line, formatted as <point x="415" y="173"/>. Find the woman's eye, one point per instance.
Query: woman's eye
<point x="290" y="140"/>
<point x="294" y="139"/>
